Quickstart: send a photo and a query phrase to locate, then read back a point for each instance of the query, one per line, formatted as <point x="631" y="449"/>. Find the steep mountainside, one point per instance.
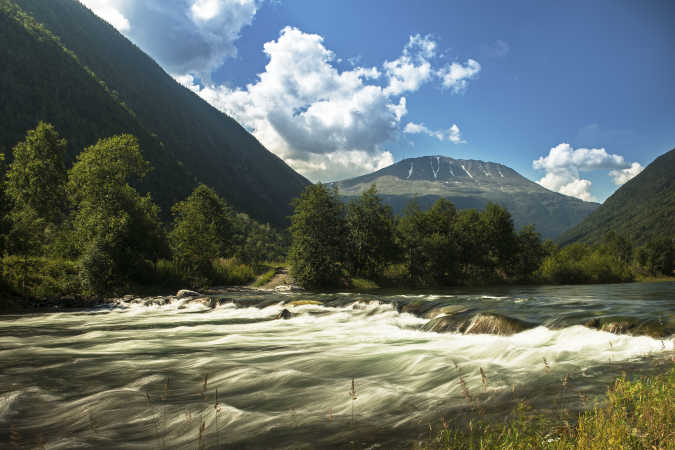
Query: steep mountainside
<point x="642" y="208"/>
<point x="64" y="65"/>
<point x="472" y="184"/>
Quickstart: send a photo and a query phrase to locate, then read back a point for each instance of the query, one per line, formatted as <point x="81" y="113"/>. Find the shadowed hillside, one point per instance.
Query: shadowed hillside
<point x="64" y="65"/>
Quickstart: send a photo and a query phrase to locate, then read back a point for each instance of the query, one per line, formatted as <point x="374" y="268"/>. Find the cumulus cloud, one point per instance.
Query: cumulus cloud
<point x="452" y="134"/>
<point x="563" y="165"/>
<point x="455" y="76"/>
<point x="107" y="11"/>
<point x="622" y="176"/>
<point x="326" y="123"/>
<point x="413" y="68"/>
<point x="188" y="37"/>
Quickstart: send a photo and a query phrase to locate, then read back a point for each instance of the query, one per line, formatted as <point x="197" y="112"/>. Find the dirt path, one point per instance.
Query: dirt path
<point x="281" y="278"/>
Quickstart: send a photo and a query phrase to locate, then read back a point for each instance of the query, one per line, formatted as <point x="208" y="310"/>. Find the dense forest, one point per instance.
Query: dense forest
<point x="641" y="210"/>
<point x="363" y="242"/>
<point x="85" y="230"/>
<point x="88" y="231"/>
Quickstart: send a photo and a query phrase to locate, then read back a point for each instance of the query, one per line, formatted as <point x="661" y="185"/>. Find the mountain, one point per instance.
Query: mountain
<point x="642" y="208"/>
<point x="472" y="184"/>
<point x="63" y="65"/>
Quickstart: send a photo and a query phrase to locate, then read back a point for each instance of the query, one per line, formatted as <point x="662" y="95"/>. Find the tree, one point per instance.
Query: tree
<point x="110" y="217"/>
<point x="501" y="240"/>
<point x="370" y="235"/>
<point x="4" y="209"/>
<point x="202" y="231"/>
<point x="472" y="244"/>
<point x="530" y="253"/>
<point x="318" y="231"/>
<point x="37" y="176"/>
<point x="428" y="241"/>
<point x="660" y="253"/>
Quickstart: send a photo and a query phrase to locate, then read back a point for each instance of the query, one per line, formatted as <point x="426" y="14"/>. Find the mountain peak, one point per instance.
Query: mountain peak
<point x="470" y="183"/>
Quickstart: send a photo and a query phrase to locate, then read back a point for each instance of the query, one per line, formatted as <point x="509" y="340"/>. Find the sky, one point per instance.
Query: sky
<point x="578" y="96"/>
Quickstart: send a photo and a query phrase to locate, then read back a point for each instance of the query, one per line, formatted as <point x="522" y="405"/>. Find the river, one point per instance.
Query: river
<point x="225" y="373"/>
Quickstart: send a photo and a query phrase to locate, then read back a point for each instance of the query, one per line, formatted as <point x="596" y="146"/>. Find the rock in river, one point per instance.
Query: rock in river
<point x="284" y="314"/>
<point x="471" y="322"/>
<point x="185" y="293"/>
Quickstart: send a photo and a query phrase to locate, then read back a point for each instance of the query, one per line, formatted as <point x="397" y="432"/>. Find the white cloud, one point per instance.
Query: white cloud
<point x="107" y="11"/>
<point x="567" y="182"/>
<point x="327" y="124"/>
<point x="452" y="134"/>
<point x="184" y="36"/>
<point x="455" y="75"/>
<point x="412" y="69"/>
<point x="563" y="165"/>
<point x="622" y="176"/>
<point x="564" y="156"/>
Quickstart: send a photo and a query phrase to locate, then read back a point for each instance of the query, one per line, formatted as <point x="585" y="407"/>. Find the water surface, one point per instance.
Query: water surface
<point x="145" y="374"/>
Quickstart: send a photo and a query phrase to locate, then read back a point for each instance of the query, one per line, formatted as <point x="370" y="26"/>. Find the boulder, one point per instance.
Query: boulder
<point x="470" y="322"/>
<point x="186" y="293"/>
<point x="284" y="314"/>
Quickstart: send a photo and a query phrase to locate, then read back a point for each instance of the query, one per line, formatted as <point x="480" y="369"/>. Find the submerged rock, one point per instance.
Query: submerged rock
<point x="185" y="293"/>
<point x="304" y="302"/>
<point x="631" y="326"/>
<point x="470" y="322"/>
<point x="284" y="314"/>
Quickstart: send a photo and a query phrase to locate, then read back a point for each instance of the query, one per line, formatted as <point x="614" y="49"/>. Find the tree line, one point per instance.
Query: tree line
<point x="87" y="230"/>
<point x="333" y="244"/>
<point x="88" y="226"/>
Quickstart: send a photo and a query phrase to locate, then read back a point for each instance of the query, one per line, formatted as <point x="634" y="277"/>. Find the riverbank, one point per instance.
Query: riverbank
<point x="635" y="414"/>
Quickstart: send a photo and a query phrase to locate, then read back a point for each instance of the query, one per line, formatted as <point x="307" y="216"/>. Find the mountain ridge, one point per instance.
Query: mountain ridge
<point x="471" y="184"/>
<point x="99" y="84"/>
<point x="644" y="207"/>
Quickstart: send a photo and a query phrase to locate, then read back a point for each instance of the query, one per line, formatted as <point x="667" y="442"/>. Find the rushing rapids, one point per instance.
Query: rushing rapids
<point x="255" y="369"/>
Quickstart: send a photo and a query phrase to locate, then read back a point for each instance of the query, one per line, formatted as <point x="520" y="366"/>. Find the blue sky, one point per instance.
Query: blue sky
<point x="578" y="96"/>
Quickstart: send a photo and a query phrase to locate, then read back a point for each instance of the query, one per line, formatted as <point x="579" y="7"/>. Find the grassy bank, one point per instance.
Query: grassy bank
<point x="35" y="282"/>
<point x="635" y="414"/>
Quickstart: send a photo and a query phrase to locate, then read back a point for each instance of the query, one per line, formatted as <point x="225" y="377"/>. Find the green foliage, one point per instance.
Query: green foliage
<point x="581" y="263"/>
<point x="96" y="269"/>
<point x="265" y="278"/>
<point x="254" y="243"/>
<point x="500" y="238"/>
<point x="636" y="414"/>
<point x="531" y="253"/>
<point x="4" y="208"/>
<point x="640" y="210"/>
<point x="109" y="216"/>
<point x="92" y="90"/>
<point x="317" y="254"/>
<point x="202" y="231"/>
<point x="427" y="240"/>
<point x="231" y="272"/>
<point x="37" y="175"/>
<point x="657" y="256"/>
<point x="40" y="277"/>
<point x="370" y="234"/>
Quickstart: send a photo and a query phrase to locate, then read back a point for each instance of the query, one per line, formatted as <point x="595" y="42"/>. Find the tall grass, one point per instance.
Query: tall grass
<point x="636" y="414"/>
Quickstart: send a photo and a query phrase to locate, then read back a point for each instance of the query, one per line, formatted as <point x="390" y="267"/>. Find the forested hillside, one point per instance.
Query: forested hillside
<point x="64" y="65"/>
<point x="641" y="209"/>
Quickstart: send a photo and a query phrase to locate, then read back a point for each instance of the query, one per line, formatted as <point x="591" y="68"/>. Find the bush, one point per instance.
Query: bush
<point x="95" y="270"/>
<point x="231" y="272"/>
<point x="40" y="277"/>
